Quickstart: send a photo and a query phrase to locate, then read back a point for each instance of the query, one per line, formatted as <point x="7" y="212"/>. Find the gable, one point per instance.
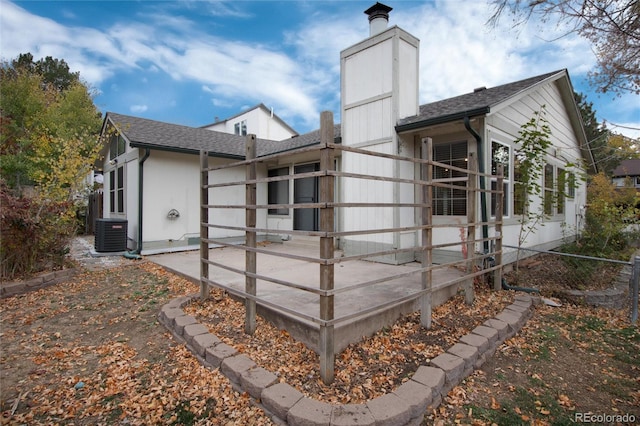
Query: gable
<point x="508" y="106"/>
<point x="479" y="102"/>
<point x="258" y="120"/>
<point x="510" y="117"/>
<point x="556" y="94"/>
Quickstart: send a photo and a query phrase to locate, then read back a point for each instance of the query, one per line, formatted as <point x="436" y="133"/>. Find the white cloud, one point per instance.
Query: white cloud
<point x="301" y="75"/>
<point x="23" y="32"/>
<point x="137" y="109"/>
<point x="459" y="51"/>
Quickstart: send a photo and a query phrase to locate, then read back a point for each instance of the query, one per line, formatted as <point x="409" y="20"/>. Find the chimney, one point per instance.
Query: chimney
<point x="378" y="18"/>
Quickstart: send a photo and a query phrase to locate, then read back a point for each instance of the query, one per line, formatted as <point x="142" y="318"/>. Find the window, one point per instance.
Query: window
<point x="549" y="189"/>
<point x="449" y="201"/>
<point x="240" y="128"/>
<point x="278" y="191"/>
<point x="116" y="146"/>
<point x="572" y="184"/>
<point x="519" y="188"/>
<point x="561" y="191"/>
<point x="116" y="190"/>
<point x="500" y="154"/>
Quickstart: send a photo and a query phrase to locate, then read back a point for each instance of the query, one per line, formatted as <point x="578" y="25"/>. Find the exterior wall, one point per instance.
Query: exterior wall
<point x="621" y="182"/>
<point x="259" y="122"/>
<point x="379" y="86"/>
<point x="503" y="126"/>
<point x="180" y="190"/>
<point x="177" y="190"/>
<point x="165" y="191"/>
<point x="130" y="161"/>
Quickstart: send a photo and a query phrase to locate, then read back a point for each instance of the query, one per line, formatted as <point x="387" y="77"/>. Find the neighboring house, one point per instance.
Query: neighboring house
<point x="258" y="120"/>
<point x="627" y="170"/>
<point x="152" y="170"/>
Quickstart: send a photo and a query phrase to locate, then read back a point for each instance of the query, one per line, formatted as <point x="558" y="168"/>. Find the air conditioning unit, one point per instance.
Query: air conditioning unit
<point x="111" y="235"/>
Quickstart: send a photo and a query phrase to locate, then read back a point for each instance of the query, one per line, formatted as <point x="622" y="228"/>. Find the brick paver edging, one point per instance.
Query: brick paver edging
<point x="404" y="406"/>
<point x="50" y="278"/>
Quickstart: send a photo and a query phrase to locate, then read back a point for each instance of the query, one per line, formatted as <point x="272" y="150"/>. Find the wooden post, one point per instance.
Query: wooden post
<point x="204" y="221"/>
<point x="472" y="190"/>
<point x="327" y="190"/>
<point x="497" y="274"/>
<point x="426" y="174"/>
<point x="250" y="235"/>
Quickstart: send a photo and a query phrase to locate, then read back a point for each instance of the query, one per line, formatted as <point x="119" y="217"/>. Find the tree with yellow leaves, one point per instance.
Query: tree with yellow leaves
<point x="49" y="129"/>
<point x="610" y="210"/>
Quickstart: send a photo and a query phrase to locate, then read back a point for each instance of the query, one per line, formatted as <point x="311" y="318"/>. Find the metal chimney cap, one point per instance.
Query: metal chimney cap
<point x="378" y="10"/>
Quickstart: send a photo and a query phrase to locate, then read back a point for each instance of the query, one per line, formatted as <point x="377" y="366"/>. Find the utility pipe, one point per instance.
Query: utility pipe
<point x="506" y="286"/>
<point x="483" y="204"/>
<point x="483" y="186"/>
<point x="136" y="253"/>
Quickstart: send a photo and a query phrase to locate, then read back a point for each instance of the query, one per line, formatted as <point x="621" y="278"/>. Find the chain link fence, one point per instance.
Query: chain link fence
<point x="576" y="278"/>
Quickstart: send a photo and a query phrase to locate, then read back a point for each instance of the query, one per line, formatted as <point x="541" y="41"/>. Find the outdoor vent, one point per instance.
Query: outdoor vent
<point x="111" y="235"/>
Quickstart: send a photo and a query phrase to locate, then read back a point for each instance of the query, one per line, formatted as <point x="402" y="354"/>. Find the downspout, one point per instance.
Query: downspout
<point x="136" y="253"/>
<point x="483" y="186"/>
<point x="483" y="206"/>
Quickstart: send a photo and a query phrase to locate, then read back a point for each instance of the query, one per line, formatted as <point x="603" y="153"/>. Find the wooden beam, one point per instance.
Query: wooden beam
<point x="426" y="172"/>
<point x="472" y="194"/>
<point x="327" y="192"/>
<point x="204" y="229"/>
<point x="497" y="274"/>
<point x="250" y="235"/>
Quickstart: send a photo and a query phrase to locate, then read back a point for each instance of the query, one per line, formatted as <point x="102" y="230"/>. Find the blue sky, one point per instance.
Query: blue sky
<point x="191" y="61"/>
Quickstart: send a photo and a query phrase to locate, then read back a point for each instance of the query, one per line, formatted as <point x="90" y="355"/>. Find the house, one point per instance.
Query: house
<point x="258" y="120"/>
<point x="152" y="176"/>
<point x="628" y="169"/>
<point x="152" y="170"/>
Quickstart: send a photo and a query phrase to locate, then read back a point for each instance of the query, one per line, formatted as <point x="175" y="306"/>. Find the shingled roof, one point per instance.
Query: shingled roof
<point x="478" y="102"/>
<point x="145" y="133"/>
<point x="627" y="168"/>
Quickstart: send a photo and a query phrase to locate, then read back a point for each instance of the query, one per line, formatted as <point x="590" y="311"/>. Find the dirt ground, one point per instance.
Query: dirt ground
<point x="91" y="351"/>
<point x="567" y="363"/>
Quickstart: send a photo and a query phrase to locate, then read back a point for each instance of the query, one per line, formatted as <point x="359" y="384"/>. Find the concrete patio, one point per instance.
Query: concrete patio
<point x="306" y="274"/>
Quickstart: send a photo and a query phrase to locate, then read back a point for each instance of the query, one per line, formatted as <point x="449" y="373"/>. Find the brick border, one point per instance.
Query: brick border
<point x="406" y="405"/>
<point x="45" y="280"/>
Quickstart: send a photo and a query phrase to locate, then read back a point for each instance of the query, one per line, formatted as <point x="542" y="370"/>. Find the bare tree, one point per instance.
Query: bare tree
<point x="611" y="26"/>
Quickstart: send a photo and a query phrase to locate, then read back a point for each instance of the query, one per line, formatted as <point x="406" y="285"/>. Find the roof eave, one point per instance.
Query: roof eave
<point x="402" y="128"/>
<point x="336" y="140"/>
<point x="184" y="150"/>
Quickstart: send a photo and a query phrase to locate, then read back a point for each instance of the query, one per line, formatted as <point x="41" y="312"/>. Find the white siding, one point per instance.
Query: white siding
<point x="503" y="126"/>
<point x="408" y="79"/>
<point x="368" y="122"/>
<point x="259" y="122"/>
<point x="368" y="191"/>
<point x="180" y="190"/>
<point x="369" y="73"/>
<point x="379" y="86"/>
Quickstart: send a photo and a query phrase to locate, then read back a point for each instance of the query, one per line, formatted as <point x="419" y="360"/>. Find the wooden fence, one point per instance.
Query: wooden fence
<point x="326" y="261"/>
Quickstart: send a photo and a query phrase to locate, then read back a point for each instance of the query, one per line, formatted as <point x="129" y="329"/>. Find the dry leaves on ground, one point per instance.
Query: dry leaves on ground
<point x="92" y="352"/>
<point x="365" y="370"/>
